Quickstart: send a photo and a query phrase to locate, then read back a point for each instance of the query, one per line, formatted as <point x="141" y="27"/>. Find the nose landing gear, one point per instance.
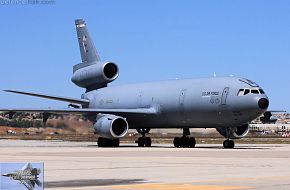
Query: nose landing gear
<point x="185" y="141"/>
<point x="228" y="143"/>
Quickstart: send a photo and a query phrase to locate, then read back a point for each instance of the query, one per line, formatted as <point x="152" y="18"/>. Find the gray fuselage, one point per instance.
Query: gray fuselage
<point x="193" y="103"/>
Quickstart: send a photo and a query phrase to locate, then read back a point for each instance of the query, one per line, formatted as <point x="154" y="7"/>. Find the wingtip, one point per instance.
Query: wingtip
<point x="9" y="90"/>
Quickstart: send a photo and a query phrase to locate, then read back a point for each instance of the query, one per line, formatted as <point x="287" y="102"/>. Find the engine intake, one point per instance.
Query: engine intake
<point x="111" y="126"/>
<point x="110" y="71"/>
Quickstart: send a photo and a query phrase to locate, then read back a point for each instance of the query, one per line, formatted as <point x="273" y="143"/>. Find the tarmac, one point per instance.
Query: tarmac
<point x="84" y="166"/>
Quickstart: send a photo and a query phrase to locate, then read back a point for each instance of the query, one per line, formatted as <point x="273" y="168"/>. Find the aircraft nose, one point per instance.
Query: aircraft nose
<point x="263" y="103"/>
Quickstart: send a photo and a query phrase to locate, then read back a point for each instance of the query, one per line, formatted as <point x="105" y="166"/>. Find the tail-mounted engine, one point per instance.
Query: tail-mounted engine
<point x="94" y="76"/>
<point x="234" y="133"/>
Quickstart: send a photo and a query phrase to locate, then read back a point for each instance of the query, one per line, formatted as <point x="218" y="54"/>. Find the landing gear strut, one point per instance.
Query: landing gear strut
<point x="104" y="142"/>
<point x="144" y="141"/>
<point x="185" y="141"/>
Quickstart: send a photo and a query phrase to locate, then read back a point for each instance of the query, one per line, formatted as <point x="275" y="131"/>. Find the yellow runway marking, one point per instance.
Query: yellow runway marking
<point x="178" y="187"/>
<point x="242" y="179"/>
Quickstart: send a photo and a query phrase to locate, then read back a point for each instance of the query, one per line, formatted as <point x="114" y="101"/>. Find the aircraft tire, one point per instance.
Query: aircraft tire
<point x="141" y="142"/>
<point x="148" y="142"/>
<point x="176" y="142"/>
<point x="116" y="142"/>
<point x="184" y="142"/>
<point x="104" y="142"/>
<point x="192" y="142"/>
<point x="229" y="144"/>
<point x="101" y="142"/>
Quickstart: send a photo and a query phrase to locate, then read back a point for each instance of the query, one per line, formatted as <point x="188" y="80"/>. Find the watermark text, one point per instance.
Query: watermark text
<point x="27" y="2"/>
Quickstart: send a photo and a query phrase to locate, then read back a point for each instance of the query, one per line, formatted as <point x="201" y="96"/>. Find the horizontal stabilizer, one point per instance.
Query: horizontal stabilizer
<point x="277" y="111"/>
<point x="83" y="102"/>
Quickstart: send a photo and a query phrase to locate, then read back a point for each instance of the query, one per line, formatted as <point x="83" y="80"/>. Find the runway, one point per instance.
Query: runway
<point x="84" y="166"/>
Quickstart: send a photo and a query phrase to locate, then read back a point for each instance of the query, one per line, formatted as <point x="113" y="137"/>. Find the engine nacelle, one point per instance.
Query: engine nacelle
<point x="93" y="76"/>
<point x="268" y="118"/>
<point x="235" y="133"/>
<point x="111" y="126"/>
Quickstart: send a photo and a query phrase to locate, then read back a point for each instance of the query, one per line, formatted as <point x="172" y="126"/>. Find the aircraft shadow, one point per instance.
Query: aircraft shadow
<point x="131" y="146"/>
<point x="238" y="148"/>
<point x="91" y="182"/>
<point x="197" y="147"/>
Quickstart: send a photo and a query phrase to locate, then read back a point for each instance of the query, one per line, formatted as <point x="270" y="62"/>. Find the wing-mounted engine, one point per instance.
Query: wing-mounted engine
<point x="94" y="76"/>
<point x="111" y="126"/>
<point x="92" y="73"/>
<point x="268" y="118"/>
<point x="235" y="133"/>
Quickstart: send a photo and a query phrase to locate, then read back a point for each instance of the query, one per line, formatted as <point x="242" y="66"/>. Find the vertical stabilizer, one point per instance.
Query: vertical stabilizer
<point x="91" y="74"/>
<point x="87" y="49"/>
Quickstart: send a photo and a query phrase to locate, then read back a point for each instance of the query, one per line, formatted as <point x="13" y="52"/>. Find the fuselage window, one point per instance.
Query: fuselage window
<point x="247" y="91"/>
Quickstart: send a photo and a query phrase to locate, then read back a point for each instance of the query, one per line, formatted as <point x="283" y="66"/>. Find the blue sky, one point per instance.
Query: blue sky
<point x="149" y="40"/>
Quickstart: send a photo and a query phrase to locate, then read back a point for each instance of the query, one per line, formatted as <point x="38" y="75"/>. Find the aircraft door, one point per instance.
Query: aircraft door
<point x="140" y="99"/>
<point x="223" y="111"/>
<point x="181" y="99"/>
<point x="225" y="95"/>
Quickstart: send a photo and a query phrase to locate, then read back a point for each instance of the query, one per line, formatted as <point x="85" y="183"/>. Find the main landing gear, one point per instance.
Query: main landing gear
<point x="104" y="142"/>
<point x="185" y="141"/>
<point x="144" y="141"/>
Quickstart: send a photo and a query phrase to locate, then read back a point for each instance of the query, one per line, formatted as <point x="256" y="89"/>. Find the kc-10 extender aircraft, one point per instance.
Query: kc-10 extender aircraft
<point x="228" y="104"/>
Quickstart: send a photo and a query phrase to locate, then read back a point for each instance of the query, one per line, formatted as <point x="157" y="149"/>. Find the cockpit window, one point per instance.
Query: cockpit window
<point x="243" y="92"/>
<point x="255" y="91"/>
<point x="247" y="91"/>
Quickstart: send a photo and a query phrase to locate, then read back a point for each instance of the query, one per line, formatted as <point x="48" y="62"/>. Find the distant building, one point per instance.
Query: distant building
<point x="273" y="128"/>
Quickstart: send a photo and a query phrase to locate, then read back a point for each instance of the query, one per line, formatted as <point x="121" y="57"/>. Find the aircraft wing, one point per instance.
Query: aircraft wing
<point x="26" y="167"/>
<point x="86" y="111"/>
<point x="28" y="184"/>
<point x="52" y="97"/>
<point x="78" y="111"/>
<point x="277" y="111"/>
